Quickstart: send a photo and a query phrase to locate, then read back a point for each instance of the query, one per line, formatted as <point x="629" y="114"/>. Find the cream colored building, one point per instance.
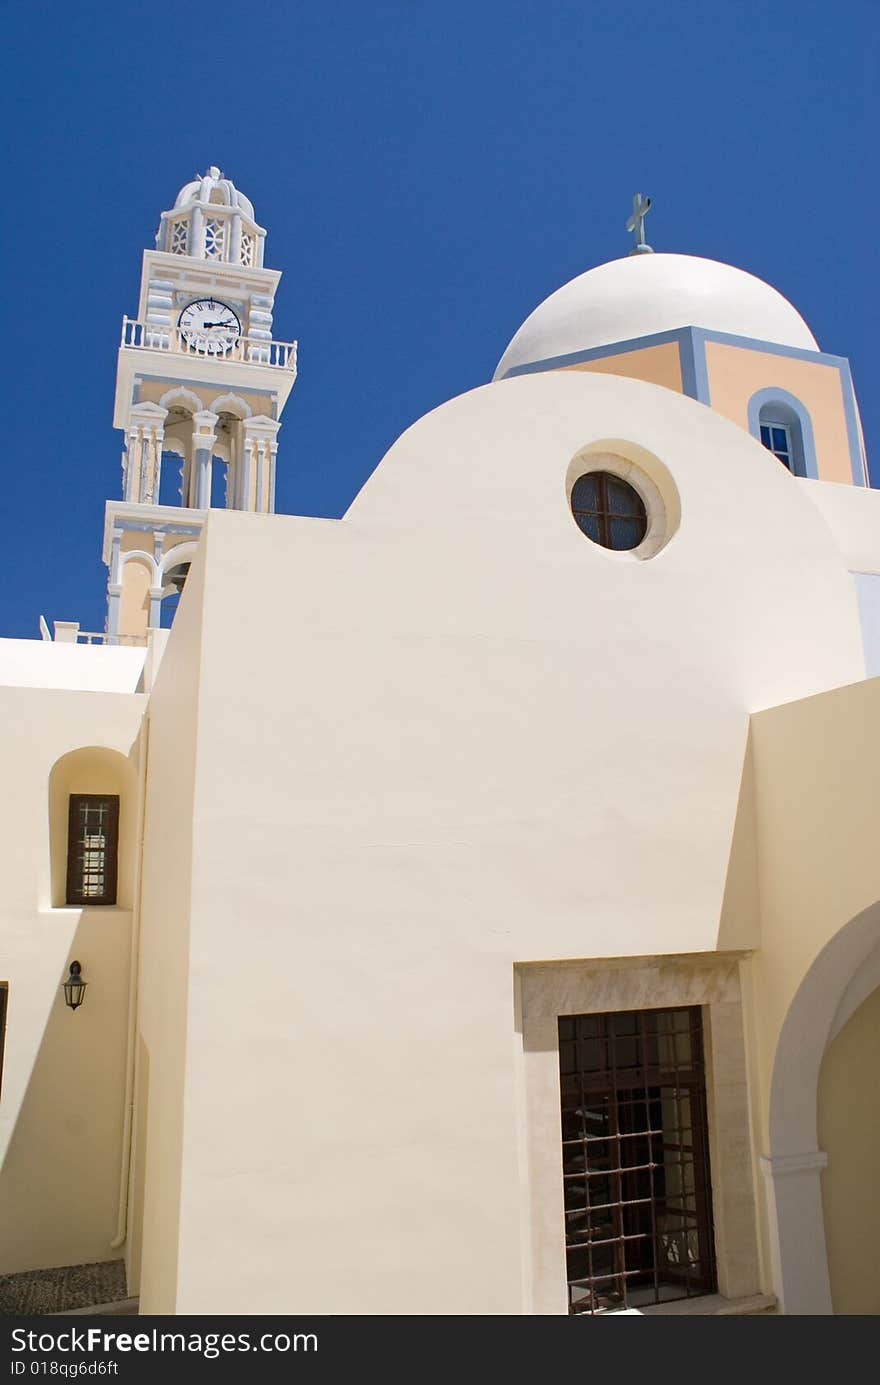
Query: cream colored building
<point x="498" y="933"/>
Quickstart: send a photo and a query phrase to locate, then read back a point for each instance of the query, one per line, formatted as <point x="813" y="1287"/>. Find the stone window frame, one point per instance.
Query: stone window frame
<point x="546" y="990"/>
<point x="657" y="493"/>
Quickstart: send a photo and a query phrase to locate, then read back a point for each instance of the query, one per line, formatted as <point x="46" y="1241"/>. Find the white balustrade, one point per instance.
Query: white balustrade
<point x="155" y="336"/>
<point x="96" y="637"/>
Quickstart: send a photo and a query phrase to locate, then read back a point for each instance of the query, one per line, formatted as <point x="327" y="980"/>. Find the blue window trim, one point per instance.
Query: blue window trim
<point x="774" y="394"/>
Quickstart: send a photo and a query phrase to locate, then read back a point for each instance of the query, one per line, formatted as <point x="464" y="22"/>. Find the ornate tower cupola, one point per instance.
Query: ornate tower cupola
<point x="212" y="220"/>
<point x="200" y="386"/>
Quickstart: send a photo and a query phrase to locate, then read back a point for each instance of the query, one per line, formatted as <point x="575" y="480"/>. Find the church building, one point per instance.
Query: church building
<point x="488" y="923"/>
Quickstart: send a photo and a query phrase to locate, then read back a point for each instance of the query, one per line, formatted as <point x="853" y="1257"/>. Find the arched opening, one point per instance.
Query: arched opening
<point x="219" y="483"/>
<point x="91" y="776"/>
<point x="844" y="974"/>
<point x="231" y="411"/>
<point x="171" y="595"/>
<point x="174" y="572"/>
<point x="177" y="478"/>
<point x="781" y="424"/>
<point x="171" y="476"/>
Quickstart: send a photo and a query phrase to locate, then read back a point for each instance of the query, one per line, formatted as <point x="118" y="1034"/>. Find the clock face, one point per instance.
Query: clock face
<point x="210" y="326"/>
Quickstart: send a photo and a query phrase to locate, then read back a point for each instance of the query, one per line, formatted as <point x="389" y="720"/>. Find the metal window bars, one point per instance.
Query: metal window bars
<point x="638" y="1223"/>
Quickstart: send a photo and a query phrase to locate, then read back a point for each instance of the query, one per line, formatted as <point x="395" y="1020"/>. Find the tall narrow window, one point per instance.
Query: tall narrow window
<point x="92" y="848"/>
<point x="638" y="1220"/>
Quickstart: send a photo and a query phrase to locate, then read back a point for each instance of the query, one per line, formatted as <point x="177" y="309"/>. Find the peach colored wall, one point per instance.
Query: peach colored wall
<point x="658" y="365"/>
<point x="151" y="391"/>
<point x="134" y="604"/>
<point x="736" y="373"/>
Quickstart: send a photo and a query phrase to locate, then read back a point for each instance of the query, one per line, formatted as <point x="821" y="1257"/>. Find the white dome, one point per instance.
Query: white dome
<point x="212" y="187"/>
<point x="644" y="294"/>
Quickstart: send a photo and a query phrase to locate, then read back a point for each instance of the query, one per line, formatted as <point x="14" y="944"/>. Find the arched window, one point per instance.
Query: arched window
<point x="92" y="792"/>
<point x="781" y="423"/>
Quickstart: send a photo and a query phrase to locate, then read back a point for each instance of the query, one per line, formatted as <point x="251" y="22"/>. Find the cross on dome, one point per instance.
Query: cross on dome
<point x="636" y="224"/>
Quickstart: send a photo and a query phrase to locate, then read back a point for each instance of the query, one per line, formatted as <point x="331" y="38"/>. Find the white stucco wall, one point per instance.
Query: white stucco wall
<point x="456" y="737"/>
<point x="76" y="667"/>
<point x="868" y="591"/>
<point x="61" y="1114"/>
<point x="169" y="826"/>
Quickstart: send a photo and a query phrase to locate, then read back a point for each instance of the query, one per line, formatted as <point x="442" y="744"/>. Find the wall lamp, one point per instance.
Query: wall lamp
<point x="74" y="987"/>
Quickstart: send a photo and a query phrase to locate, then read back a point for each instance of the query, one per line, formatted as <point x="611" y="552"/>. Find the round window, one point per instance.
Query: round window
<point x="609" y="511"/>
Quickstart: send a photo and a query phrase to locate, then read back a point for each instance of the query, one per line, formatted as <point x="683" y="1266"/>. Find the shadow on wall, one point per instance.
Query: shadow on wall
<point x="59" y="1181"/>
<point x="739" y="924"/>
<point x="849" y="1133"/>
<point x="62" y="1111"/>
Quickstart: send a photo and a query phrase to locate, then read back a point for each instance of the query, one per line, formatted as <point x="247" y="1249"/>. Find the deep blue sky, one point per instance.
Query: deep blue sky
<point x="428" y="172"/>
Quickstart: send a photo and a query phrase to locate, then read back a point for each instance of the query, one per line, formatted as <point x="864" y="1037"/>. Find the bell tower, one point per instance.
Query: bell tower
<point x="200" y="387"/>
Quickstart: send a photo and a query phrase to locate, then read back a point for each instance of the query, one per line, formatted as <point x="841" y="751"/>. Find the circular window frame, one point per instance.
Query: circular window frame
<point x="658" y="531"/>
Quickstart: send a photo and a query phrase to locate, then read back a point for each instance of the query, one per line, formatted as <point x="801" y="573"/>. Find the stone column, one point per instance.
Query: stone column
<point x="797" y="1232"/>
<point x="270" y="499"/>
<point x="204" y="438"/>
<point x="197" y="233"/>
<point x="146" y="431"/>
<point x="155" y="620"/>
<point x="234" y="251"/>
<point x="258" y="464"/>
<point x="114" y="586"/>
<point x="132" y="465"/>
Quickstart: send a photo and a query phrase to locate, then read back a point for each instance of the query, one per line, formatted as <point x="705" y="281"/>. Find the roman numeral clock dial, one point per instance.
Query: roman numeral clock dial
<point x="209" y="326"/>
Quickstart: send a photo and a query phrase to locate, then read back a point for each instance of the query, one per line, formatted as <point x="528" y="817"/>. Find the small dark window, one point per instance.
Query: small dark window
<point x="609" y="511"/>
<point x="92" y="848"/>
<point x="776" y="437"/>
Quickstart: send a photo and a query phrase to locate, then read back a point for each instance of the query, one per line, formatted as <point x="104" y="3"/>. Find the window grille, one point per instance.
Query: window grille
<point x="246" y="252"/>
<point x="92" y="848"/>
<point x="215" y="238"/>
<point x="179" y="234"/>
<point x="608" y="510"/>
<point x="638" y="1220"/>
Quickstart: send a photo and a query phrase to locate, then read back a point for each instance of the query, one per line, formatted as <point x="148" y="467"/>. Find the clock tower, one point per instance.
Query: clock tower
<point x="200" y="386"/>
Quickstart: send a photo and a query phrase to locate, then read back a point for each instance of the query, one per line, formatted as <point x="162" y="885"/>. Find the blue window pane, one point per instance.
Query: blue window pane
<point x="589" y="524"/>
<point x="780" y="440"/>
<point x="626" y="533"/>
<point x="622" y="499"/>
<point x="765" y="435"/>
<point x="584" y="495"/>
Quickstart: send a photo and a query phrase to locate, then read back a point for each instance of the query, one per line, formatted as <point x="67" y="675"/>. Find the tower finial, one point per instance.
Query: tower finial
<point x="636" y="224"/>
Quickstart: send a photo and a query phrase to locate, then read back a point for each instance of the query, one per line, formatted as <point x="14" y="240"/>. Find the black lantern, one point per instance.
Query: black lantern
<point x="74" y="987"/>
